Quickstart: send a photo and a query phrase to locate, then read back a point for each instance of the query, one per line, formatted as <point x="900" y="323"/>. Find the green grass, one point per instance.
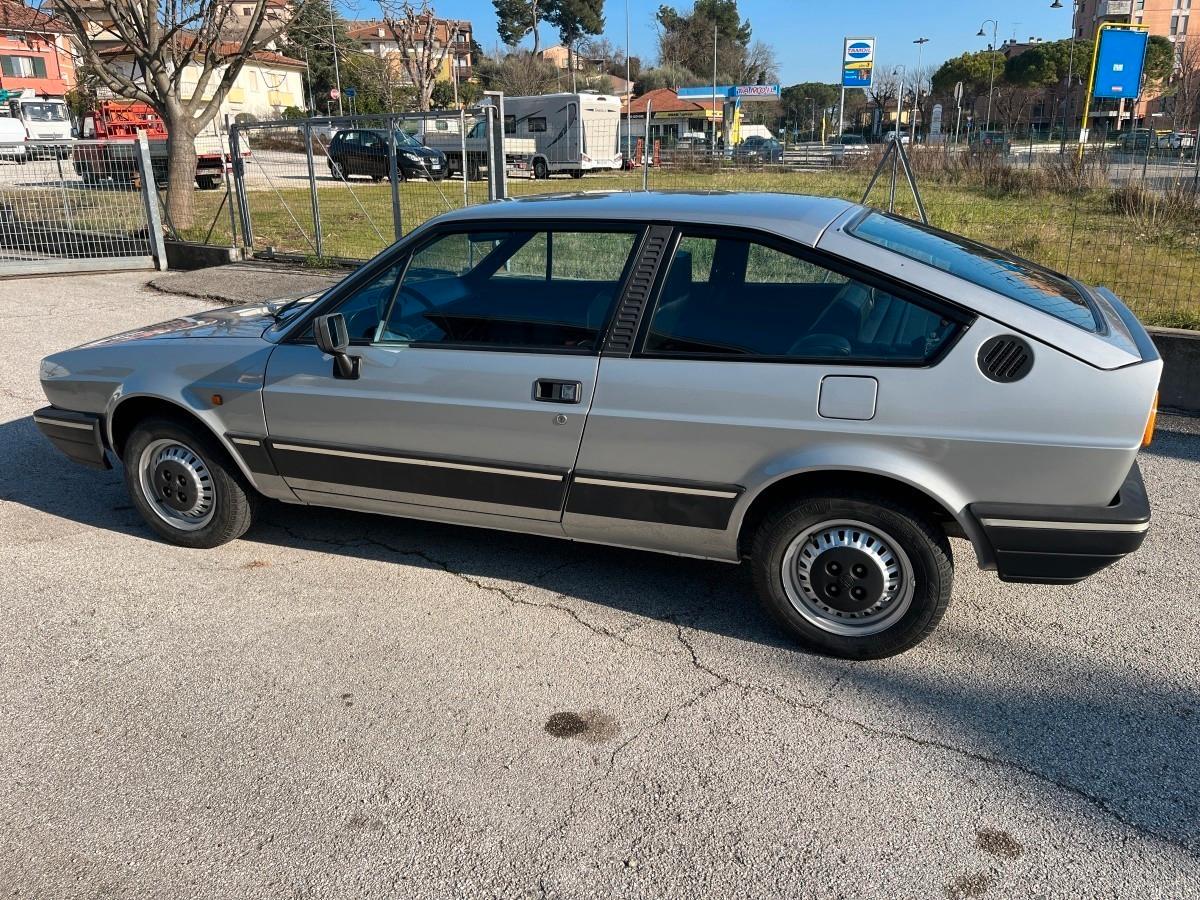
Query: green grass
<point x="1153" y="265"/>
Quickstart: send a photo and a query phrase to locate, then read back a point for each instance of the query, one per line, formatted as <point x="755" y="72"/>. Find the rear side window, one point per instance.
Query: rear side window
<point x="522" y="289"/>
<point x="536" y="124"/>
<point x="726" y="297"/>
<point x="987" y="267"/>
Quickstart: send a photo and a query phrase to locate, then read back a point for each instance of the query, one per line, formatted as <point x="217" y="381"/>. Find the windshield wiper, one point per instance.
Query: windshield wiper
<point x="278" y="314"/>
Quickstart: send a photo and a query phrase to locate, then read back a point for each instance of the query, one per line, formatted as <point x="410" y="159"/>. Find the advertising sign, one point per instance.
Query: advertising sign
<point x="1119" y="62"/>
<point x="858" y="62"/>
<point x="731" y="92"/>
<point x="757" y="91"/>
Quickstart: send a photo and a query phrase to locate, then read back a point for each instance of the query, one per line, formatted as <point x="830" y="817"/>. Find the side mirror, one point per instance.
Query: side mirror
<point x="333" y="337"/>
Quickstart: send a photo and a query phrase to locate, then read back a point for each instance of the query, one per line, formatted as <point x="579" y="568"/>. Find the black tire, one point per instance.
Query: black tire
<point x="577" y="173"/>
<point x="233" y="501"/>
<point x="473" y="170"/>
<point x="541" y="171"/>
<point x="920" y="542"/>
<point x="336" y="171"/>
<point x="207" y="182"/>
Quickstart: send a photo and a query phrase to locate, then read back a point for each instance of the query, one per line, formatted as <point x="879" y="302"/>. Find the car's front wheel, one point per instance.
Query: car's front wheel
<point x="185" y="486"/>
<point x="856" y="576"/>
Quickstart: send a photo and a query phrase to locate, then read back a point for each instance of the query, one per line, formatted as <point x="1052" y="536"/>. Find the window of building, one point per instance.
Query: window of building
<point x="1174" y="24"/>
<point x="510" y="124"/>
<point x="728" y="297"/>
<point x="23" y="66"/>
<point x="535" y="124"/>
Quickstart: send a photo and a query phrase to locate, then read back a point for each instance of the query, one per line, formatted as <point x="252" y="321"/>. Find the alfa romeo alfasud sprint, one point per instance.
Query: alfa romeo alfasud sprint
<point x="823" y="389"/>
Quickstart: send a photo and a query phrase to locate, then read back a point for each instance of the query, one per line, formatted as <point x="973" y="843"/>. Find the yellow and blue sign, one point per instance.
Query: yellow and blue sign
<point x="858" y="62"/>
<point x="1120" y="59"/>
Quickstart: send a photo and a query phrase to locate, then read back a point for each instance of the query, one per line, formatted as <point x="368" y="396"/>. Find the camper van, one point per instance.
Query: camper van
<point x="574" y="133"/>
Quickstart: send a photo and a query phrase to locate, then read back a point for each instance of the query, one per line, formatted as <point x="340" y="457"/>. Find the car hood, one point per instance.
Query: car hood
<point x="227" y="322"/>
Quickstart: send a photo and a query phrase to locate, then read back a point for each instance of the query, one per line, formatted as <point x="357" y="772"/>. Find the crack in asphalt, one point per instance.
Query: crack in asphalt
<point x="817" y="707"/>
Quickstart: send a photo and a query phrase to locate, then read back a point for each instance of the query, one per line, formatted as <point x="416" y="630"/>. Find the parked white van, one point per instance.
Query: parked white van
<point x="574" y="133"/>
<point x="12" y="139"/>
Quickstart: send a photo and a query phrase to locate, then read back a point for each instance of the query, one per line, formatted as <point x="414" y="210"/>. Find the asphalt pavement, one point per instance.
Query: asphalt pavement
<point x="340" y="705"/>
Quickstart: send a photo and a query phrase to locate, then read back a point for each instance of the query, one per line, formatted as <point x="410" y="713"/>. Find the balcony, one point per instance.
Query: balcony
<point x="1107" y="9"/>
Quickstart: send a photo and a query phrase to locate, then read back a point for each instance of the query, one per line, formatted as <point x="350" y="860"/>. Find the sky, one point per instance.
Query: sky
<point x="807" y="34"/>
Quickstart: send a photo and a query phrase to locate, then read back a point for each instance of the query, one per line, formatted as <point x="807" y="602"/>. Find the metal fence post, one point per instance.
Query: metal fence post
<point x="489" y="117"/>
<point x="150" y="198"/>
<point x="239" y="183"/>
<point x="225" y="170"/>
<point x="646" y="149"/>
<point x="462" y="143"/>
<point x="394" y="178"/>
<point x="314" y="199"/>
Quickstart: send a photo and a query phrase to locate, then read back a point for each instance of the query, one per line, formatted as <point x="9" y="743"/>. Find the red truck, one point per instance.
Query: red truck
<point x="109" y="146"/>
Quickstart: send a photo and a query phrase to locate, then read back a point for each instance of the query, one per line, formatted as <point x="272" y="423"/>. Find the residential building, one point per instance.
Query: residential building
<point x="35" y="51"/>
<point x="378" y="40"/>
<point x="268" y="83"/>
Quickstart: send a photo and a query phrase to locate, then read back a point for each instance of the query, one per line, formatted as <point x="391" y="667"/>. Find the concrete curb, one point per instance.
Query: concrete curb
<point x="1180" y="351"/>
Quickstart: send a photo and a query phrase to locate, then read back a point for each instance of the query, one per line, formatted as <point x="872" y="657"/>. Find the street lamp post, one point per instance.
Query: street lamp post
<point x="1057" y="4"/>
<point x="901" y="71"/>
<point x="992" y="78"/>
<point x="337" y="70"/>
<point x="920" y="42"/>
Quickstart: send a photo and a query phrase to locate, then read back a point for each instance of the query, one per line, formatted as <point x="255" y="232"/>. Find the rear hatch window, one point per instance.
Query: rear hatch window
<point x="1013" y="277"/>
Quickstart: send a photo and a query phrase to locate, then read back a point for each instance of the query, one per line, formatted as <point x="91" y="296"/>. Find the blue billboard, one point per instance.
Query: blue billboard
<point x="1119" y="61"/>
<point x="858" y="62"/>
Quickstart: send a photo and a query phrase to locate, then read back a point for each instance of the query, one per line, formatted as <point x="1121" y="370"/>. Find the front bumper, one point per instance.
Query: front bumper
<point x="1065" y="544"/>
<point x="79" y="435"/>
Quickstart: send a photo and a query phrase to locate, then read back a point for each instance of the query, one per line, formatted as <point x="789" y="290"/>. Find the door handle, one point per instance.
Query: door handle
<point x="549" y="391"/>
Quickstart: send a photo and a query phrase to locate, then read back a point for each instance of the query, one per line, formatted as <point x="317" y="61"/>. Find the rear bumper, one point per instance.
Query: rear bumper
<point x="78" y="435"/>
<point x="1065" y="544"/>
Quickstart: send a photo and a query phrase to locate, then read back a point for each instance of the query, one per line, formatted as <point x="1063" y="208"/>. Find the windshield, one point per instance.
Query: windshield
<point x="404" y="139"/>
<point x="44" y="112"/>
<point x="984" y="266"/>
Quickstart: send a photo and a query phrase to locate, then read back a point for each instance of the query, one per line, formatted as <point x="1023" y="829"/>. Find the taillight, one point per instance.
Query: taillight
<point x="1148" y="435"/>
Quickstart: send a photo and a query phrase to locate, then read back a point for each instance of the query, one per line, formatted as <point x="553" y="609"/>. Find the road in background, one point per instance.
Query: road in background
<point x="355" y="706"/>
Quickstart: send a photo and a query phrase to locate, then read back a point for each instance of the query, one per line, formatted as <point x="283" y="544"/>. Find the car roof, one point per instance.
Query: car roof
<point x="797" y="216"/>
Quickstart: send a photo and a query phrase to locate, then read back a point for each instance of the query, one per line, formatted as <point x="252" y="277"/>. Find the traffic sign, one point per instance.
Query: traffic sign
<point x="351" y="93"/>
<point x="958" y="92"/>
<point x="1119" y="61"/>
<point x="334" y="94"/>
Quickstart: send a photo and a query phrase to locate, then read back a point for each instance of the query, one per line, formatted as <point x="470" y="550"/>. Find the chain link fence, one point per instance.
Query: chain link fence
<point x="76" y="206"/>
<point x="1125" y="215"/>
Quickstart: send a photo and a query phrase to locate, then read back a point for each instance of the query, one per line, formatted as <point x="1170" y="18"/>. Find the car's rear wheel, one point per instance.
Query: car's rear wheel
<point x="853" y="576"/>
<point x="541" y="171"/>
<point x="185" y="486"/>
<point x="336" y="170"/>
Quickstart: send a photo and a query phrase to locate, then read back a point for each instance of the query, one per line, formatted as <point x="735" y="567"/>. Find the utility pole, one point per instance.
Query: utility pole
<point x="901" y="71"/>
<point x="337" y="72"/>
<point x="920" y="42"/>
<point x="714" y="106"/>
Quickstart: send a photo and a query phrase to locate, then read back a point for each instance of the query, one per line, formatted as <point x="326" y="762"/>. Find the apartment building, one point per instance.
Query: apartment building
<point x="35" y="52"/>
<point x="378" y="40"/>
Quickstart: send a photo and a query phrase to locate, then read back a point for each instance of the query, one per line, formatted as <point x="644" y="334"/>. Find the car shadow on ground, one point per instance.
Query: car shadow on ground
<point x="1118" y="738"/>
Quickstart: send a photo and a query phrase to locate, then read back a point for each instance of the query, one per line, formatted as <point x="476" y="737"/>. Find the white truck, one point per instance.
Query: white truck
<point x="44" y="119"/>
<point x="573" y="133"/>
<point x="474" y="143"/>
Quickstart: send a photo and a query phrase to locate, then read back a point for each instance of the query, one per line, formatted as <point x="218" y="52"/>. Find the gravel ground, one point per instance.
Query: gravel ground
<point x="341" y="705"/>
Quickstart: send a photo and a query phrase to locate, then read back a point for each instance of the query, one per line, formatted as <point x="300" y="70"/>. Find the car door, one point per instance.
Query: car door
<point x="374" y="155"/>
<point x="343" y="151"/>
<point x="478" y="354"/>
<point x="754" y="353"/>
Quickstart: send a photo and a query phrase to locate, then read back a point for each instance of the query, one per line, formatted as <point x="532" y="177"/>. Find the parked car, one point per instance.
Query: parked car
<point x="759" y="149"/>
<point x="364" y="151"/>
<point x="997" y="142"/>
<point x="1177" y="140"/>
<point x="852" y="145"/>
<point x="827" y="390"/>
<point x="1139" y="140"/>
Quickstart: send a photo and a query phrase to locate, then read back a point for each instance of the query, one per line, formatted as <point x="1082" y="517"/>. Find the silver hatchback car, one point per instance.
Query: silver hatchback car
<point x="823" y="389"/>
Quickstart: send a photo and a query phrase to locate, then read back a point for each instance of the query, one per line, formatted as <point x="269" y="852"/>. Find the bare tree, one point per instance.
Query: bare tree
<point x="186" y="55"/>
<point x="424" y="41"/>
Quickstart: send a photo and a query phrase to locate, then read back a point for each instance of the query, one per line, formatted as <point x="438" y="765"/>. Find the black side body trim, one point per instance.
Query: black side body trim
<point x="256" y="456"/>
<point x="645" y="504"/>
<point x="78" y="435"/>
<point x="407" y="474"/>
<point x="1045" y="554"/>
